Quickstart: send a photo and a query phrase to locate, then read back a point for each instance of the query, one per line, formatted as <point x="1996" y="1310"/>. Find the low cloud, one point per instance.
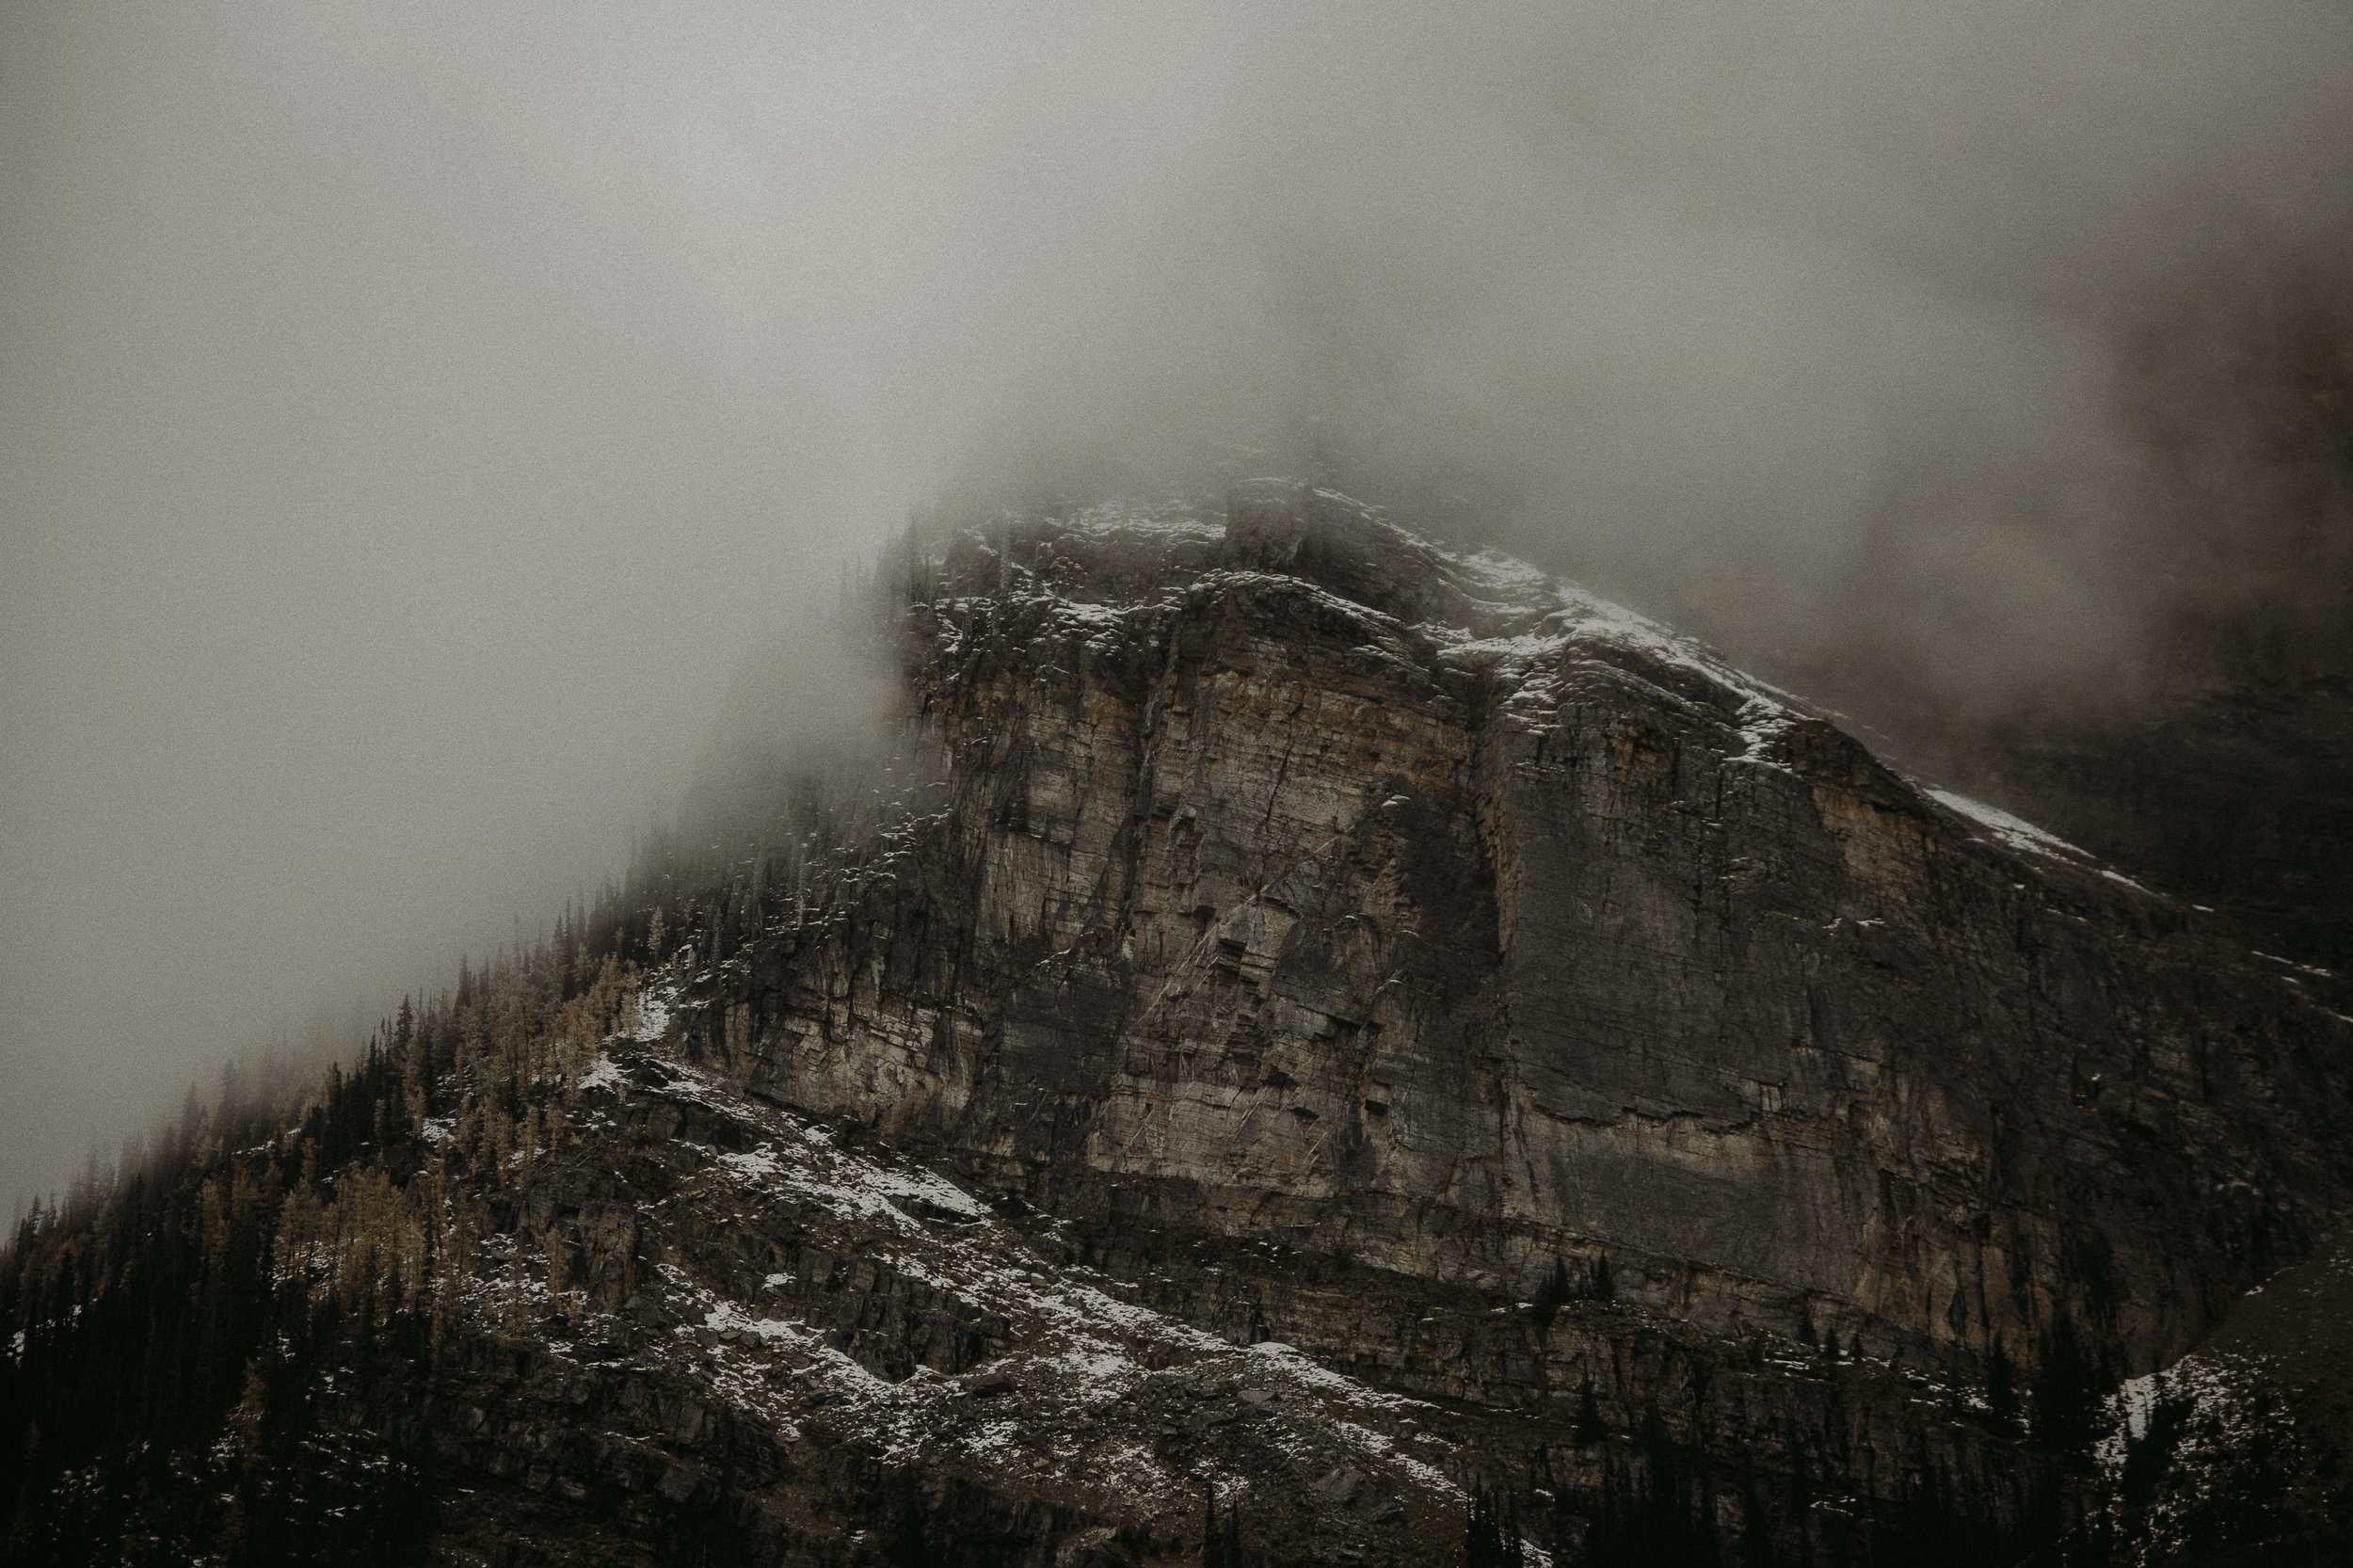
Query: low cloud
<point x="415" y="413"/>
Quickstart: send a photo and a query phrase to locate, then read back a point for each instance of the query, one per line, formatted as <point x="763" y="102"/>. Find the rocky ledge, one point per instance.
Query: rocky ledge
<point x="1344" y="1051"/>
<point x="1367" y="945"/>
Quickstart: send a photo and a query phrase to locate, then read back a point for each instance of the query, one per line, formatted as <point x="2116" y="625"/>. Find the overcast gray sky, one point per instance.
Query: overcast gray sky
<point x="410" y="414"/>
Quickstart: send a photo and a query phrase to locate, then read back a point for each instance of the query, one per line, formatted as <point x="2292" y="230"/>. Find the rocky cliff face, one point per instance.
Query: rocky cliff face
<point x="2238" y="795"/>
<point x="1338" y="1025"/>
<point x="1301" y="882"/>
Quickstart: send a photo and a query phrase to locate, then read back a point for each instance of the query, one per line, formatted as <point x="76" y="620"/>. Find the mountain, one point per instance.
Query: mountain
<point x="1318" y="1047"/>
<point x="2237" y="793"/>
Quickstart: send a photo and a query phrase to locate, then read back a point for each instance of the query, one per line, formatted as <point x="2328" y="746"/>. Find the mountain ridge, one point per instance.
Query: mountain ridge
<point x="1625" y="1097"/>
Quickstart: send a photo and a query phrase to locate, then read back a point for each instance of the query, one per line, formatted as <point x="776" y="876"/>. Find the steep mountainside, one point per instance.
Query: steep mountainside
<point x="2239" y="797"/>
<point x="1324" y="1043"/>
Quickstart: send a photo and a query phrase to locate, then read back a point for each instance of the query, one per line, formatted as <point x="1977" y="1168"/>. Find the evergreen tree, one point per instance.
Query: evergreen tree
<point x="1220" y="1544"/>
<point x="1588" y="1428"/>
<point x="1551" y="1295"/>
<point x="2001" y="1384"/>
<point x="1491" y="1537"/>
<point x="2067" y="1388"/>
<point x="910" y="1542"/>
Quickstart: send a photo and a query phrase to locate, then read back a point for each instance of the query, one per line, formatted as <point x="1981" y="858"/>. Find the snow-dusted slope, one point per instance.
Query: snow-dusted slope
<point x="811" y="1293"/>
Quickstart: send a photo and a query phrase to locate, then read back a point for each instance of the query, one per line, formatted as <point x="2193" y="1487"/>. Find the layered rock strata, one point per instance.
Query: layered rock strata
<point x="1338" y="1027"/>
<point x="1303" y="882"/>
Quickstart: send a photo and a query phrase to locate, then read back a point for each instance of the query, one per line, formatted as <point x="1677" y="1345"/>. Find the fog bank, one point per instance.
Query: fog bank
<point x="414" y="417"/>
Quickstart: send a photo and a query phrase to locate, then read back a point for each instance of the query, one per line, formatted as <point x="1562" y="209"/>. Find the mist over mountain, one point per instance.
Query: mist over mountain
<point x="1300" y="1043"/>
<point x="417" y="417"/>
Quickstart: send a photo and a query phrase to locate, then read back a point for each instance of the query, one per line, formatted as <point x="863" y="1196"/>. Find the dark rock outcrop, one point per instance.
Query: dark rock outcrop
<point x="1335" y="1025"/>
<point x="1303" y="882"/>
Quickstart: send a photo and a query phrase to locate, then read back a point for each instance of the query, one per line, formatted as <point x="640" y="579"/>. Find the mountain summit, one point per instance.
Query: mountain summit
<point x="1332" y="1048"/>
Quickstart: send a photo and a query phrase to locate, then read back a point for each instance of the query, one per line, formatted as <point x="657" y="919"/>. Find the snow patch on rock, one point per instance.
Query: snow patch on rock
<point x="2016" y="833"/>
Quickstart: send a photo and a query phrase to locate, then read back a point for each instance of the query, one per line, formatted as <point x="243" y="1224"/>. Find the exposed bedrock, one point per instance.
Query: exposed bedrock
<point x="1304" y="882"/>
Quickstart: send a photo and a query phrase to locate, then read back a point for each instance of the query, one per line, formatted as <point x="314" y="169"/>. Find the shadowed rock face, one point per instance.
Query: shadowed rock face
<point x="1346" y="1023"/>
<point x="1304" y="882"/>
<point x="2237" y="793"/>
